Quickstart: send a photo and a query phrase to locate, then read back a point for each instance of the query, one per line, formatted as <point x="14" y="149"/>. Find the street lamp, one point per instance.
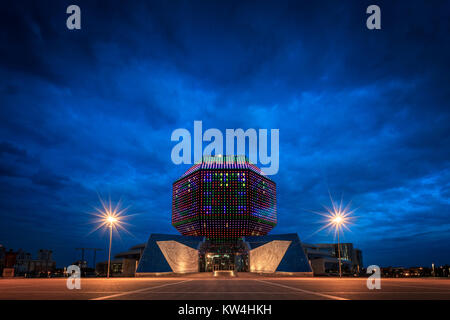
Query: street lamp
<point x="111" y="220"/>
<point x="337" y="221"/>
<point x="338" y="217"/>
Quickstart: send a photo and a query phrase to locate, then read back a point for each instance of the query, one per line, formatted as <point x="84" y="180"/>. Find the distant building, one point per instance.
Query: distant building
<point x="23" y="262"/>
<point x="124" y="263"/>
<point x="8" y="264"/>
<point x="324" y="258"/>
<point x="2" y="258"/>
<point x="402" y="272"/>
<point x="442" y="271"/>
<point x="44" y="264"/>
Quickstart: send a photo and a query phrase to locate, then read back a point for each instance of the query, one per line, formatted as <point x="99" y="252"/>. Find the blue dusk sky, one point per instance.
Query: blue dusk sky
<point x="363" y="114"/>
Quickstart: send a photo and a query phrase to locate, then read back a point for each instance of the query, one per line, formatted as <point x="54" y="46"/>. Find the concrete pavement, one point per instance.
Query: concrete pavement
<point x="237" y="288"/>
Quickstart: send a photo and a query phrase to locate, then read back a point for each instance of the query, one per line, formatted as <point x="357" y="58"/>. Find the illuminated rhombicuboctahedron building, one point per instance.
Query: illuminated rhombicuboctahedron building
<point x="224" y="209"/>
<point x="224" y="198"/>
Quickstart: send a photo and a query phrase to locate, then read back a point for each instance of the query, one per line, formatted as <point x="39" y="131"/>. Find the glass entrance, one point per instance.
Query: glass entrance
<point x="226" y="256"/>
<point x="217" y="262"/>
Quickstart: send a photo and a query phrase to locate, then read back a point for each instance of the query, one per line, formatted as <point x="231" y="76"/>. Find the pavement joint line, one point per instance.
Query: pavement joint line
<point x="305" y="291"/>
<point x="138" y="291"/>
<point x="217" y="292"/>
<point x="272" y="292"/>
<point x="65" y="291"/>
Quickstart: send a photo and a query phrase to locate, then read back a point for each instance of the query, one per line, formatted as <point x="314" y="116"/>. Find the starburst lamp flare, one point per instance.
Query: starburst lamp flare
<point x="337" y="217"/>
<point x="111" y="218"/>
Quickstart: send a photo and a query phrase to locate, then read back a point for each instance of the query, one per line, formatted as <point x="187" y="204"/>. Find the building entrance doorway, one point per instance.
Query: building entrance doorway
<point x="225" y="256"/>
<point x="219" y="262"/>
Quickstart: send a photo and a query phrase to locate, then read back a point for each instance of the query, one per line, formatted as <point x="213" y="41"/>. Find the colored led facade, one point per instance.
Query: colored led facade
<point x="224" y="198"/>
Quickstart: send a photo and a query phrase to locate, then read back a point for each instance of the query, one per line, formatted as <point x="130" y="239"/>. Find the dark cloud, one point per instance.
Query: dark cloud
<point x="363" y="114"/>
<point x="6" y="147"/>
<point x="49" y="180"/>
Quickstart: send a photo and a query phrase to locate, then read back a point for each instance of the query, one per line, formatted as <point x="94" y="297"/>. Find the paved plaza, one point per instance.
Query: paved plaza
<point x="242" y="287"/>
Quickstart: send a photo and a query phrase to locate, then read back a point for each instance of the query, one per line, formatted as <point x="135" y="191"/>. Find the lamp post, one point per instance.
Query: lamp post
<point x="339" y="256"/>
<point x="110" y="217"/>
<point x="337" y="216"/>
<point x="110" y="220"/>
<point x="337" y="221"/>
